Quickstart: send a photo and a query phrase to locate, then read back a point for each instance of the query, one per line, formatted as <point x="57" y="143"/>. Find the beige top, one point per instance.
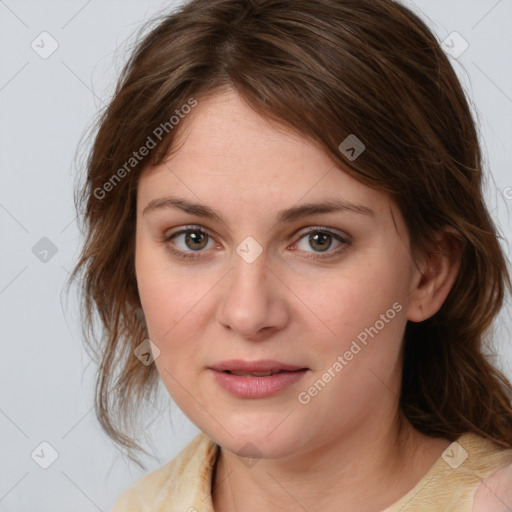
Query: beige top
<point x="184" y="484"/>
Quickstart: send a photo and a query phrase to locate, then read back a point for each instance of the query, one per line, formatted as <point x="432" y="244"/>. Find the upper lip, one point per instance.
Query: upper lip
<point x="239" y="365"/>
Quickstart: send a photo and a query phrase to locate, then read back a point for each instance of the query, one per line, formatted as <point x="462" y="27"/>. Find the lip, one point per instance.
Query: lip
<point x="254" y="386"/>
<point x="264" y="365"/>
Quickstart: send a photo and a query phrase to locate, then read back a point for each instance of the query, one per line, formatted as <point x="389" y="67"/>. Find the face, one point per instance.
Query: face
<point x="238" y="279"/>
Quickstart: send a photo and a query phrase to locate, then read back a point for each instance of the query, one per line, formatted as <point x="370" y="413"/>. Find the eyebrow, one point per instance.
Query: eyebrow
<point x="288" y="215"/>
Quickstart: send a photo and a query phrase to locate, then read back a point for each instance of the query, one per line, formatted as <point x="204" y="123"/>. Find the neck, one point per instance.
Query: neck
<point x="367" y="470"/>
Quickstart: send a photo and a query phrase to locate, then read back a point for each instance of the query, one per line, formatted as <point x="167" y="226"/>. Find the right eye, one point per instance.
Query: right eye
<point x="193" y="239"/>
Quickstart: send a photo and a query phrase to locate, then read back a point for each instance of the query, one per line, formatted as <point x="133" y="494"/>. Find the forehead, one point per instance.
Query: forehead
<point x="230" y="156"/>
<point x="224" y="126"/>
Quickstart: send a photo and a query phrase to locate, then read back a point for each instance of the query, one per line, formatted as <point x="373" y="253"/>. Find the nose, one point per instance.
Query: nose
<point x="253" y="300"/>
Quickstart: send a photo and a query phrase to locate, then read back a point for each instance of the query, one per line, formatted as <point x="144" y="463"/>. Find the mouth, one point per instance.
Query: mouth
<point x="256" y="379"/>
<point x="261" y="368"/>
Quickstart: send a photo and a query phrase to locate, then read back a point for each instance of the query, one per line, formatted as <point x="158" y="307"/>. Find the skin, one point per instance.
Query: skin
<point x="494" y="494"/>
<point x="347" y="444"/>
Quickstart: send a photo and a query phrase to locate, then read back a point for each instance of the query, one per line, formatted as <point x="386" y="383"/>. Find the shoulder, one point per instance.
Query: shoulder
<point x="473" y="474"/>
<point x="180" y="477"/>
<point x="494" y="493"/>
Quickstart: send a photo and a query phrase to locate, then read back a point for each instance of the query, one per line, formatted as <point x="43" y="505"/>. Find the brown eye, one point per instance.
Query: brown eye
<point x="320" y="241"/>
<point x="189" y="240"/>
<point x="196" y="240"/>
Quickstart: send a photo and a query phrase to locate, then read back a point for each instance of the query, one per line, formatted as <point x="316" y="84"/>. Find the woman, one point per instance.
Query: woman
<point x="286" y="225"/>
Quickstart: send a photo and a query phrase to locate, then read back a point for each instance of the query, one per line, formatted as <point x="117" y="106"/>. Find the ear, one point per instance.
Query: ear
<point x="436" y="275"/>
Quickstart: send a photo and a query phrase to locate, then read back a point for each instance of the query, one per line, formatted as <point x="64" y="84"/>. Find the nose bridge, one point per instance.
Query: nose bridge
<point x="249" y="302"/>
<point x="249" y="274"/>
<point x="249" y="279"/>
<point x="248" y="283"/>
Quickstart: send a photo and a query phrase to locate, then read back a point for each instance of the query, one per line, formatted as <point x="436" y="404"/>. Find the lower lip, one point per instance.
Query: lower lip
<point x="257" y="387"/>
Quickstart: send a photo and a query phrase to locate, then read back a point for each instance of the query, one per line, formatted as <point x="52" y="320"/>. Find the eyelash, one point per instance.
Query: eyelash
<point x="193" y="255"/>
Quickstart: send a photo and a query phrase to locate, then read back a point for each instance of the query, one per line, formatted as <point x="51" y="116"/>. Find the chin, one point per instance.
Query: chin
<point x="248" y="439"/>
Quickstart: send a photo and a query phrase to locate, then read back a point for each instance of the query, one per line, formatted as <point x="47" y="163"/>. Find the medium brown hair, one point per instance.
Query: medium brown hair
<point x="326" y="69"/>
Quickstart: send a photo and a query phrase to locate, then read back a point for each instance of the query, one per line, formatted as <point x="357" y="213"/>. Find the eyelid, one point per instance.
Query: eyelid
<point x="191" y="227"/>
<point x="324" y="229"/>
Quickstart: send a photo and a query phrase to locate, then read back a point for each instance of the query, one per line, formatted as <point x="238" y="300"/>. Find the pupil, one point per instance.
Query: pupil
<point x="195" y="240"/>
<point x="323" y="239"/>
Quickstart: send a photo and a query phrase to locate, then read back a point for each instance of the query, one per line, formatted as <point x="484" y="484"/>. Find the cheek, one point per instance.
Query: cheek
<point x="173" y="300"/>
<point x="161" y="298"/>
<point x="364" y="303"/>
<point x="338" y="305"/>
<point x="172" y="308"/>
<point x="168" y="306"/>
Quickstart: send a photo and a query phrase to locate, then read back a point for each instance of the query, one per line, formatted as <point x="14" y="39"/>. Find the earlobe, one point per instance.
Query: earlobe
<point x="436" y="276"/>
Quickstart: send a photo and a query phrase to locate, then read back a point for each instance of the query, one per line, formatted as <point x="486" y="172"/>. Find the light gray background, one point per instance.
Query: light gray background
<point x="46" y="377"/>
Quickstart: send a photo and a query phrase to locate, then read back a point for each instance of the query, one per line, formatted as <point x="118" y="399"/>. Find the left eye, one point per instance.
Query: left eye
<point x="320" y="240"/>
